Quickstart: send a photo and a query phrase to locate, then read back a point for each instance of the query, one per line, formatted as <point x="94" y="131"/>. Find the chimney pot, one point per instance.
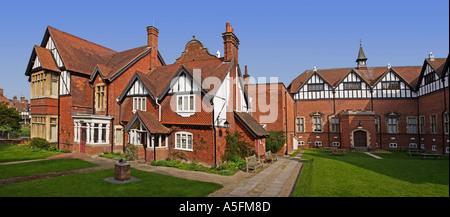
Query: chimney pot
<point x="229" y="29"/>
<point x="246" y="73"/>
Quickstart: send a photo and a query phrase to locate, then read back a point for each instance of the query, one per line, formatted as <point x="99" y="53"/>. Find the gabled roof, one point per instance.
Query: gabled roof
<point x="149" y="121"/>
<point x="370" y="75"/>
<point x="437" y="65"/>
<point x="251" y="124"/>
<point x="162" y="76"/>
<point x="119" y="62"/>
<point x="77" y="54"/>
<point x="45" y="58"/>
<point x="409" y="73"/>
<point x="145" y="81"/>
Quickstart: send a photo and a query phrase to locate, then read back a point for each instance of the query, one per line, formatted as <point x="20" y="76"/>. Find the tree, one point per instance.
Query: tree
<point x="9" y="118"/>
<point x="275" y="141"/>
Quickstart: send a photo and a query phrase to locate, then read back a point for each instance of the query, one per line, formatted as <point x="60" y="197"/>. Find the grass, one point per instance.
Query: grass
<point x="39" y="167"/>
<point x="359" y="175"/>
<point x="92" y="185"/>
<point x="10" y="153"/>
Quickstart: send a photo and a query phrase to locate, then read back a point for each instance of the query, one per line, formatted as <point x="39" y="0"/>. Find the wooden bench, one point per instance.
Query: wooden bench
<point x="252" y="163"/>
<point x="338" y="151"/>
<point x="415" y="152"/>
<point x="269" y="157"/>
<point x="427" y="156"/>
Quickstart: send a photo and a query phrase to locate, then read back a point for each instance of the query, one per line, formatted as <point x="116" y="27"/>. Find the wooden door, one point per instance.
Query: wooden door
<point x="360" y="138"/>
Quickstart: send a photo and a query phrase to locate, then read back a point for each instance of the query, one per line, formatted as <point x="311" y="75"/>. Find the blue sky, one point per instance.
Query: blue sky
<point x="277" y="38"/>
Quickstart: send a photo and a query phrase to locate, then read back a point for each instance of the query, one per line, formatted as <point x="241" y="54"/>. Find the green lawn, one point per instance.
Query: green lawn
<point x="92" y="185"/>
<point x="10" y="153"/>
<point x="39" y="167"/>
<point x="359" y="175"/>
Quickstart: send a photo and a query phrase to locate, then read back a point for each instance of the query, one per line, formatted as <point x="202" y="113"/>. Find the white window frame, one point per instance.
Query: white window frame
<point x="336" y="143"/>
<point x="91" y="130"/>
<point x="434" y="148"/>
<point x="317" y="143"/>
<point x="139" y="103"/>
<point x="301" y="143"/>
<point x="412" y="145"/>
<point x="184" y="136"/>
<point x="186" y="104"/>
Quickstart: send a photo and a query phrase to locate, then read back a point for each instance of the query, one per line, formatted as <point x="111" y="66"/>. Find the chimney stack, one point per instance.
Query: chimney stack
<point x="246" y="73"/>
<point x="231" y="44"/>
<point x="152" y="40"/>
<point x="1" y="91"/>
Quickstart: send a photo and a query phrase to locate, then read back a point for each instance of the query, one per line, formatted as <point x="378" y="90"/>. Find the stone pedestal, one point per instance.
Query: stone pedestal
<point x="122" y="171"/>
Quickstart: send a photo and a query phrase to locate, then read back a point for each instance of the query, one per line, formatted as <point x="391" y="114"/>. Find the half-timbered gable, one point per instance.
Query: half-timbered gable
<point x="352" y="86"/>
<point x="315" y="87"/>
<point x="392" y="85"/>
<point x="429" y="80"/>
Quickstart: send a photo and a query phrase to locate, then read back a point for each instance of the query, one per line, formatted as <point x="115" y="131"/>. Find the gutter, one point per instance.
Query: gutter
<point x="159" y="109"/>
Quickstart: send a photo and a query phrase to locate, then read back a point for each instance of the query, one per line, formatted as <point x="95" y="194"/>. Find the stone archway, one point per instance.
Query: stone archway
<point x="360" y="138"/>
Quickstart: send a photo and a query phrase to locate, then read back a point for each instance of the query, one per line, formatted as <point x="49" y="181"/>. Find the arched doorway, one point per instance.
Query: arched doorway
<point x="360" y="139"/>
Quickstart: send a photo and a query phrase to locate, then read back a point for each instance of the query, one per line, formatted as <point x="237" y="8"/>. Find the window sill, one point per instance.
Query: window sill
<point x="151" y="148"/>
<point x="185" y="114"/>
<point x="180" y="149"/>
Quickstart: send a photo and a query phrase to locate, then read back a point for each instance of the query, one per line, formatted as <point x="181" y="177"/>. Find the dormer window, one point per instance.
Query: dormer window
<point x="185" y="105"/>
<point x="139" y="104"/>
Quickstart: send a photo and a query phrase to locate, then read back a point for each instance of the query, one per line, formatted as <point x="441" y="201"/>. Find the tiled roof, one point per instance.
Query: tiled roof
<point x="437" y="64"/>
<point x="251" y="124"/>
<point x="150" y="121"/>
<point x="160" y="77"/>
<point x="79" y="55"/>
<point x="370" y="74"/>
<point x="46" y="58"/>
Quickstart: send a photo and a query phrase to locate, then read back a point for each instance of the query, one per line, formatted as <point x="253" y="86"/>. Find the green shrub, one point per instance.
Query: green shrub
<point x="131" y="152"/>
<point x="275" y="141"/>
<point x="39" y="143"/>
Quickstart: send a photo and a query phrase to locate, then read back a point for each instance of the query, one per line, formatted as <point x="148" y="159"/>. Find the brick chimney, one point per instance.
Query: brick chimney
<point x="246" y="73"/>
<point x="1" y="91"/>
<point x="231" y="44"/>
<point x="152" y="40"/>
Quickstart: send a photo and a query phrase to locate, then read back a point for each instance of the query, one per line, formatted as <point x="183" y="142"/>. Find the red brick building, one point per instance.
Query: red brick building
<point x="88" y="98"/>
<point x="373" y="107"/>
